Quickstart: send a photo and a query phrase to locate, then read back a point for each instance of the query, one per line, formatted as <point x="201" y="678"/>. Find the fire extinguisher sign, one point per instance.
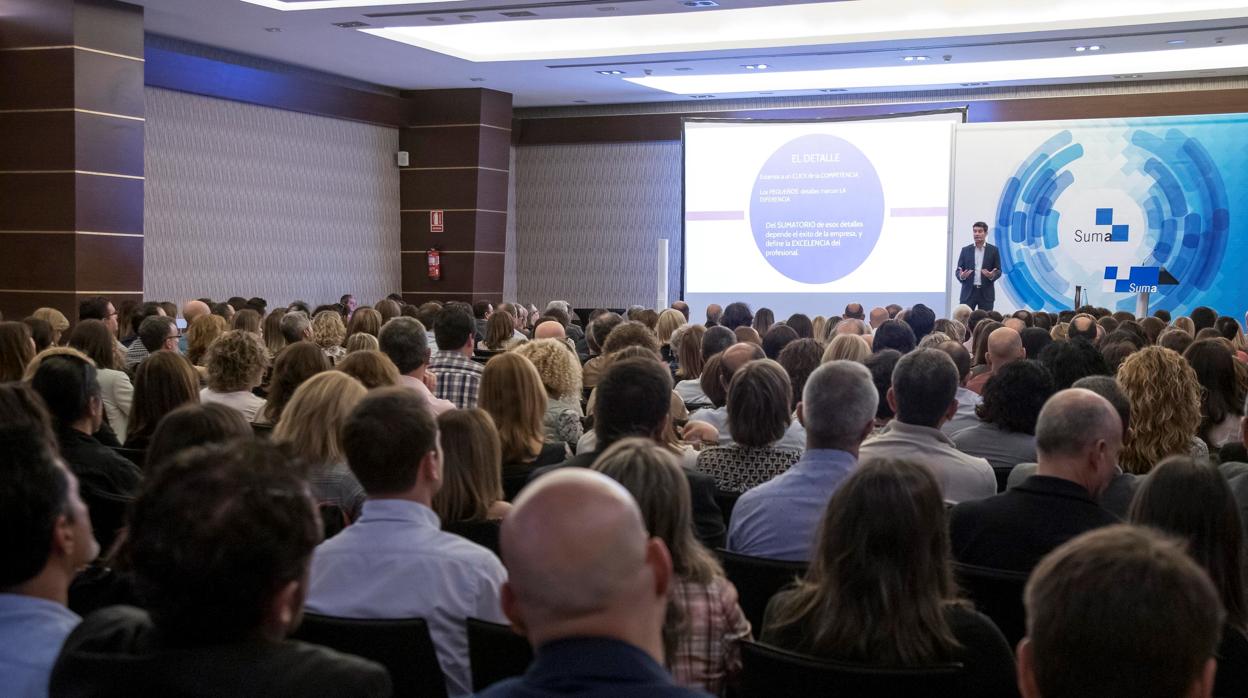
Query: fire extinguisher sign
<point x="436" y="218"/>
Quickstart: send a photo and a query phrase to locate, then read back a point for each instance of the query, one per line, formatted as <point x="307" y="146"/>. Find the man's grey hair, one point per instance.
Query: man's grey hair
<point x="839" y="400"/>
<point x="855" y="326"/>
<point x="1072" y="421"/>
<point x="933" y="340"/>
<point x="925" y="383"/>
<point x="403" y="339"/>
<point x="294" y="326"/>
<point x="561" y="305"/>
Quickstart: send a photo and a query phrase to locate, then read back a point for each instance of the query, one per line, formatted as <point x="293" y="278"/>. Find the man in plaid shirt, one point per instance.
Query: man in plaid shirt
<point x="459" y="377"/>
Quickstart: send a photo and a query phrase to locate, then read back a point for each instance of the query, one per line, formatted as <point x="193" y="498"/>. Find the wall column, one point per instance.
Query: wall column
<point x="459" y="144"/>
<point x="71" y="153"/>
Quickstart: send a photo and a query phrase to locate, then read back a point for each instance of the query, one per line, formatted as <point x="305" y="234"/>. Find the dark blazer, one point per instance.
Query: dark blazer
<point x="966" y="260"/>
<point x="591" y="666"/>
<point x="1015" y="529"/>
<point x="708" y="520"/>
<point x="106" y="481"/>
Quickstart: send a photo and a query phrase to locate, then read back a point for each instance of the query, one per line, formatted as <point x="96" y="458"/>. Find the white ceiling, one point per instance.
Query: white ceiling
<point x="667" y="39"/>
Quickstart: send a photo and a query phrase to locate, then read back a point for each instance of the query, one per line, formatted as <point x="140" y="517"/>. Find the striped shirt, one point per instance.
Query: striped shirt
<point x="459" y="378"/>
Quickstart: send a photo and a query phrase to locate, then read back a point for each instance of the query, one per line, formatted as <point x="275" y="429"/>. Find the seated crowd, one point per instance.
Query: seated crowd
<point x="174" y="501"/>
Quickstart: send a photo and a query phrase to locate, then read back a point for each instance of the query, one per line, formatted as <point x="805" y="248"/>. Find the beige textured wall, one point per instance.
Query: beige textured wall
<point x="252" y="201"/>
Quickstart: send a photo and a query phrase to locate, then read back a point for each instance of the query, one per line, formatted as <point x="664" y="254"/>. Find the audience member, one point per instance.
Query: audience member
<point x="979" y="344"/>
<point x="472" y="474"/>
<point x="17" y="348"/>
<point x="47" y="537"/>
<point x="365" y="320"/>
<point x="560" y="372"/>
<point x="162" y="384"/>
<point x="328" y="332"/>
<point x="776" y="339"/>
<point x="704" y="622"/>
<point x="459" y="377"/>
<point x="193" y="425"/>
<point x="236" y="363"/>
<point x="690" y="362"/>
<point x="1083" y="327"/>
<point x="758" y="416"/>
<point x="360" y="341"/>
<point x="1220" y="395"/>
<point x="1005" y="434"/>
<point x="56" y="320"/>
<point x="1165" y="409"/>
<point x="799" y="360"/>
<point x="371" y="368"/>
<point x="880" y="591"/>
<point x="71" y="392"/>
<point x="296" y="327"/>
<point x="395" y="562"/>
<point x="1072" y="360"/>
<point x="1035" y="339"/>
<point x="219" y="545"/>
<point x="1078" y="438"/>
<point x="802" y="325"/>
<point x="100" y="308"/>
<point x="93" y="339"/>
<point x="599" y="329"/>
<point x="778" y="519"/>
<point x="1203" y="317"/>
<point x="40" y="332"/>
<point x="923" y="395"/>
<point x="737" y="315"/>
<point x="968" y="400"/>
<point x="274" y="340"/>
<point x="1119" y="613"/>
<point x="878" y="317"/>
<point x="715" y="385"/>
<point x="588" y="587"/>
<point x="893" y="334"/>
<point x="136" y="351"/>
<point x="513" y="395"/>
<point x="1005" y="345"/>
<point x="310" y="429"/>
<point x="202" y="333"/>
<point x="403" y="340"/>
<point x="247" y="320"/>
<point x="881" y="365"/>
<point x="1192" y="501"/>
<point x="921" y="319"/>
<point x="764" y="320"/>
<point x="294" y="365"/>
<point x="846" y="347"/>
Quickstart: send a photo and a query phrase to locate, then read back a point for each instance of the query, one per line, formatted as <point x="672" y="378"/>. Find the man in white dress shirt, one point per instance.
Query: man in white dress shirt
<point x="395" y="561"/>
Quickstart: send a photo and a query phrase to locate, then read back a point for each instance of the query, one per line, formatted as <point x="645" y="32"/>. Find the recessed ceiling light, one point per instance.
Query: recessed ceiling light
<point x="1177" y="42"/>
<point x="833" y="89"/>
<point x="518" y="13"/>
<point x="607" y="8"/>
<point x="911" y="59"/>
<point x="436" y="19"/>
<point x="1128" y="76"/>
<point x="273" y="30"/>
<point x="1100" y="66"/>
<point x="700" y="3"/>
<point x="1093" y="47"/>
<point x="683" y="69"/>
<point x="755" y="66"/>
<point x="974" y="84"/>
<point x="610" y="72"/>
<point x="701" y="96"/>
<point x="778" y="26"/>
<point x="468" y="18"/>
<point x="477" y="79"/>
<point x="580" y="101"/>
<point x="350" y="25"/>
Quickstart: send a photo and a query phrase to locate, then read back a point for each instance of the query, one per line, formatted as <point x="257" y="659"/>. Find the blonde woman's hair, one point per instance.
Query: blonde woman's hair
<point x="236" y="361"/>
<point x="362" y="341"/>
<point x="1165" y="407"/>
<point x="313" y="418"/>
<point x="33" y="365"/>
<point x="556" y="364"/>
<point x="846" y="347"/>
<point x="820" y="327"/>
<point x="512" y="393"/>
<point x="1185" y="323"/>
<point x="204" y="330"/>
<point x="1059" y="331"/>
<point x="370" y="367"/>
<point x="669" y="321"/>
<point x="328" y="330"/>
<point x="472" y="466"/>
<point x="499" y="330"/>
<point x="53" y="317"/>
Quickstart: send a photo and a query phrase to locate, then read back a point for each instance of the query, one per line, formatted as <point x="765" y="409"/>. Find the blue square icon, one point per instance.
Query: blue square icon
<point x="1123" y="286"/>
<point x="1104" y="216"/>
<point x="1119" y="233"/>
<point x="1111" y="272"/>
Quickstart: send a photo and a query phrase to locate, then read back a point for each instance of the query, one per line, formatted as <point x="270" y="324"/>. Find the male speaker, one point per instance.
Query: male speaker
<point x="979" y="266"/>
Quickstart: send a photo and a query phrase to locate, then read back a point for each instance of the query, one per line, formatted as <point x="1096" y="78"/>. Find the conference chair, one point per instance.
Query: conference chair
<point x="727" y="501"/>
<point x="483" y="533"/>
<point x="757" y="579"/>
<point x="997" y="594"/>
<point x="774" y="673"/>
<point x="138" y="456"/>
<point x="262" y="431"/>
<point x="495" y="652"/>
<point x="403" y="646"/>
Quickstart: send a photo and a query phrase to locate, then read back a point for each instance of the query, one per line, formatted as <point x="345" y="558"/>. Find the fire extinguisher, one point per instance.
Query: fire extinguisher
<point x="435" y="264"/>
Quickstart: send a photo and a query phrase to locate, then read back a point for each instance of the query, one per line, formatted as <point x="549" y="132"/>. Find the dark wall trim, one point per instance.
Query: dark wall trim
<point x="667" y="127"/>
<point x="211" y="78"/>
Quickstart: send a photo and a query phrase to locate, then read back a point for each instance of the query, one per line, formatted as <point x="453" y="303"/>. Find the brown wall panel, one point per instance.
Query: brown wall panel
<point x="109" y="263"/>
<point x="488" y="272"/>
<point x="16" y="306"/>
<point x="109" y="204"/>
<point x="457" y="273"/>
<point x="108" y="84"/>
<point x="418" y="298"/>
<point x="425" y="189"/>
<point x="491" y="231"/>
<point x="36" y="23"/>
<point x="496" y="108"/>
<point x="442" y="146"/>
<point x="495" y="148"/>
<point x="37" y="79"/>
<point x="109" y="26"/>
<point x="37" y="262"/>
<point x="36" y="202"/>
<point x="437" y="107"/>
<point x="37" y="141"/>
<point x="459" y="229"/>
<point x="108" y="144"/>
<point x="492" y="190"/>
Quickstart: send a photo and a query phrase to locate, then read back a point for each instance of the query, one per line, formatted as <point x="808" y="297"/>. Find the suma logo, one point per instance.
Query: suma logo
<point x="1116" y="233"/>
<point x="1139" y="280"/>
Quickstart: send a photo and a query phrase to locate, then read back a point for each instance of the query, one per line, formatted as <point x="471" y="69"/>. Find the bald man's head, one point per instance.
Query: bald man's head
<point x="878" y="317"/>
<point x="741" y="354"/>
<point x="1082" y="327"/>
<point x="1078" y="438"/>
<point x="1005" y="345"/>
<point x="1015" y="324"/>
<point x="549" y="330"/>
<point x="580" y="561"/>
<point x="854" y="311"/>
<point x="194" y="309"/>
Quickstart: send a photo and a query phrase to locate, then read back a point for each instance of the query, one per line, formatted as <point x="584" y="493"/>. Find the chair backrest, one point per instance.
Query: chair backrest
<point x="495" y="652"/>
<point x="137" y="456"/>
<point x="333" y="519"/>
<point x="262" y="431"/>
<point x="997" y="594"/>
<point x="775" y="673"/>
<point x="402" y="646"/>
<point x="483" y="533"/>
<point x="727" y="501"/>
<point x="757" y="579"/>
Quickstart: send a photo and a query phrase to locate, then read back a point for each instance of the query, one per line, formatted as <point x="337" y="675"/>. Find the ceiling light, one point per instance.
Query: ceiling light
<point x="580" y="101"/>
<point x="974" y="84"/>
<point x="800" y="24"/>
<point x="700" y="3"/>
<point x="350" y="25"/>
<point x="477" y="79"/>
<point x="468" y="18"/>
<point x="610" y="72"/>
<point x="273" y="30"/>
<point x="1101" y="66"/>
<point x="685" y="69"/>
<point x="701" y="96"/>
<point x="288" y="5"/>
<point x="833" y="89"/>
<point x="755" y="66"/>
<point x="911" y="59"/>
<point x="1177" y="42"/>
<point x="1129" y="76"/>
<point x="1094" y="47"/>
<point x="1081" y="49"/>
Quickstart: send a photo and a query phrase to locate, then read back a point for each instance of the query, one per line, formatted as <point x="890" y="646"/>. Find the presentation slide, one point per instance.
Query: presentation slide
<point x="809" y="216"/>
<point x="1116" y="206"/>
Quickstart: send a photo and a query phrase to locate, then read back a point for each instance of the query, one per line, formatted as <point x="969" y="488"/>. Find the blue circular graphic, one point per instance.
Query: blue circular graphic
<point x="817" y="209"/>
